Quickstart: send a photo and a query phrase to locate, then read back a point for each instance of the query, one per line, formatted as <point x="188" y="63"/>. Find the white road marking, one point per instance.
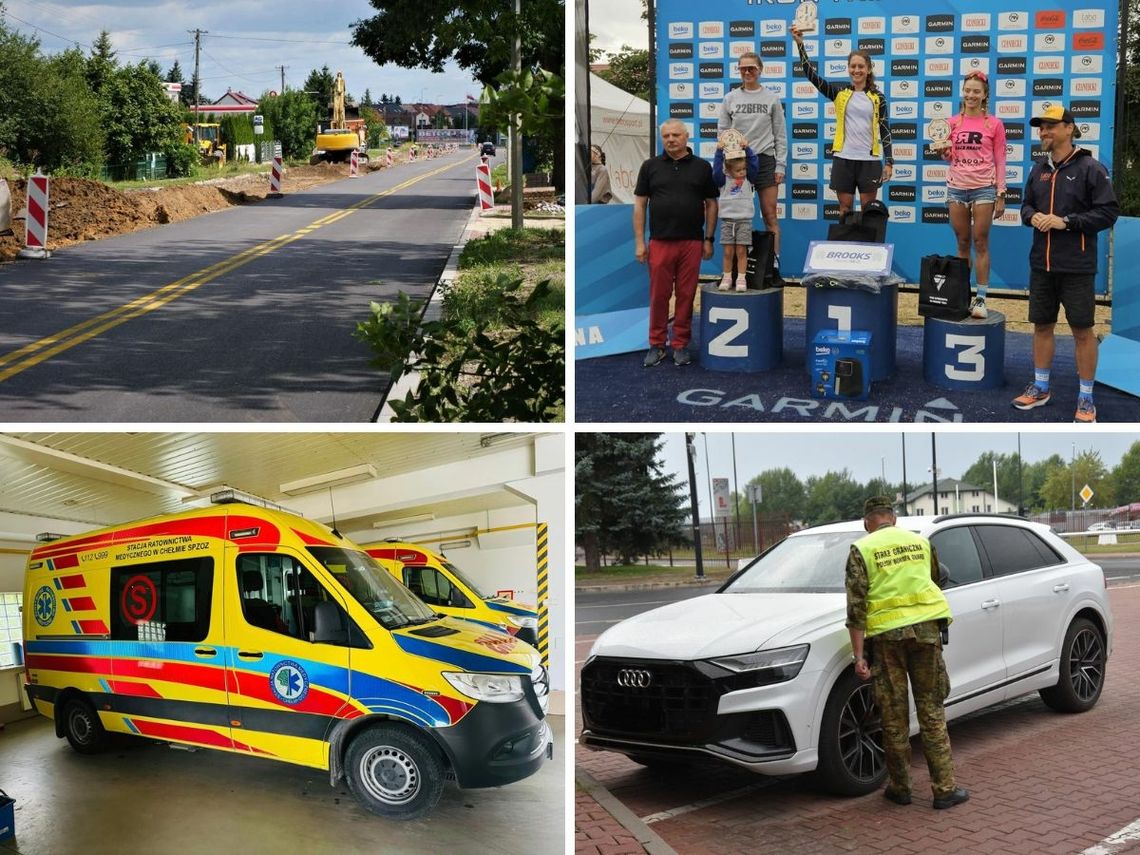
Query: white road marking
<point x="1116" y="842"/>
<point x="704" y="803"/>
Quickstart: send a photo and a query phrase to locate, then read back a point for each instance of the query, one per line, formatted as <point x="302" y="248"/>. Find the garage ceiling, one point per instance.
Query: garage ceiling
<point x="104" y="478"/>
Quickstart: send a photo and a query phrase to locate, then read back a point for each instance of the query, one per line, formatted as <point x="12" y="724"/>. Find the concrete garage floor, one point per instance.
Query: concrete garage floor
<point x="144" y="797"/>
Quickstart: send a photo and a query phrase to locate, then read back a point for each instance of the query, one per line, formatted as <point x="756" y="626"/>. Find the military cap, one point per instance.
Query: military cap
<point x="878" y="503"/>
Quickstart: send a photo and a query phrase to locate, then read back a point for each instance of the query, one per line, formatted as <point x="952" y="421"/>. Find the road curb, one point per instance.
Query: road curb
<point x="624" y="816"/>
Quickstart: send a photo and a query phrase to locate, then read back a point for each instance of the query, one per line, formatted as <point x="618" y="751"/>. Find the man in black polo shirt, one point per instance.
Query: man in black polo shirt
<point x="682" y="197"/>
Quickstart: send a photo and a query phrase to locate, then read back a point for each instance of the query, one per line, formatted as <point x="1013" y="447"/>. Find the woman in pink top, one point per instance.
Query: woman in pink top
<point x="975" y="186"/>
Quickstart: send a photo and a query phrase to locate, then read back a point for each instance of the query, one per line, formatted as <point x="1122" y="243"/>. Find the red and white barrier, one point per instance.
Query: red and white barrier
<point x="275" y="178"/>
<point x="353" y="166"/>
<point x="388" y="157"/>
<point x="36" y="224"/>
<point x="483" y="182"/>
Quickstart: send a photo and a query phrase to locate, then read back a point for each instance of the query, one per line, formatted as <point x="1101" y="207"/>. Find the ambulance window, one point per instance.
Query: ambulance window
<point x="162" y="600"/>
<point x="434" y="588"/>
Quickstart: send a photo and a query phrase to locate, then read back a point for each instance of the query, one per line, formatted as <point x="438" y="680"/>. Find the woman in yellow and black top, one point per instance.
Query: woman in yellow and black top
<point x="862" y="135"/>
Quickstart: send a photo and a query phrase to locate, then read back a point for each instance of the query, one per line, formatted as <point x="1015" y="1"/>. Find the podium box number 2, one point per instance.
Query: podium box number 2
<point x="742" y="330"/>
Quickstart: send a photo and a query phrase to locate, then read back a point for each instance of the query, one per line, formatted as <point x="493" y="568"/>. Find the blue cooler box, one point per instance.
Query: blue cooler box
<point x="841" y="365"/>
<point x="7" y="817"/>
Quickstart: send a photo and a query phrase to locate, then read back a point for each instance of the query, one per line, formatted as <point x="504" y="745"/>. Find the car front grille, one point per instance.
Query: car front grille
<point x="669" y="701"/>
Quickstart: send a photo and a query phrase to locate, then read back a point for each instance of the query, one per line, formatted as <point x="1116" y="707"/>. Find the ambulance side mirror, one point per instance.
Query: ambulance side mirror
<point x="328" y="624"/>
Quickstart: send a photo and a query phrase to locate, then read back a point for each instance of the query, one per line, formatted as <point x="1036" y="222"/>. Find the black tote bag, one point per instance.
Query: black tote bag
<point x="944" y="287"/>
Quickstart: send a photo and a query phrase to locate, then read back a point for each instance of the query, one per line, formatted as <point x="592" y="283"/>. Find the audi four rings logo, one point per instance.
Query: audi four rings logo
<point x="634" y="678"/>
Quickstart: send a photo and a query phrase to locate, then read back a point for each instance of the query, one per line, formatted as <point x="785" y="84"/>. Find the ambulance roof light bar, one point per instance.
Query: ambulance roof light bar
<point x="48" y="537"/>
<point x="230" y="496"/>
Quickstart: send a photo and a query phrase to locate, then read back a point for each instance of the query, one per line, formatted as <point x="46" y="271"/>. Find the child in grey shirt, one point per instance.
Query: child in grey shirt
<point x="735" y="177"/>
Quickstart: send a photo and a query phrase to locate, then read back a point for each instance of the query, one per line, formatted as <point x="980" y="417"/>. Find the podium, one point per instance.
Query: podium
<point x="843" y="308"/>
<point x="741" y="330"/>
<point x="963" y="355"/>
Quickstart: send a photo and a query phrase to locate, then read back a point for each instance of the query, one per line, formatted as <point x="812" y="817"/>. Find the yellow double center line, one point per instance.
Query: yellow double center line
<point x="36" y="352"/>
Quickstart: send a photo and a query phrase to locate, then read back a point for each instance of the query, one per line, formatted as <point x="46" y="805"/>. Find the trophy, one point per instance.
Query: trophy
<point x="806" y="15"/>
<point x="733" y="143"/>
<point x="939" y="132"/>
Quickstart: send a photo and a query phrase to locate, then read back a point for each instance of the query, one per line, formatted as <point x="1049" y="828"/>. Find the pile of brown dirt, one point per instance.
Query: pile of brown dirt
<point x="81" y="210"/>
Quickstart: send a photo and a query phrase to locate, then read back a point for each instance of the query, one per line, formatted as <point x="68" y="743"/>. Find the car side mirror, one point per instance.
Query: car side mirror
<point x="328" y="624"/>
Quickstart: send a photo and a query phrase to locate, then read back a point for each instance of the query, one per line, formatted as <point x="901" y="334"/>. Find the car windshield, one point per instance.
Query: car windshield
<point x="390" y="603"/>
<point x="458" y="574"/>
<point x="804" y="563"/>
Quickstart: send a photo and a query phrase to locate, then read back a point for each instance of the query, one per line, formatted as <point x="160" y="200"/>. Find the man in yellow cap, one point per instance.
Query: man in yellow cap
<point x="1068" y="199"/>
<point x="895" y="615"/>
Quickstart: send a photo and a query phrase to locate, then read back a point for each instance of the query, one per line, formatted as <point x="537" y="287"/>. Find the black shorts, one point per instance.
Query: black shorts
<point x="1049" y="291"/>
<point x="767" y="174"/>
<point x="847" y="175"/>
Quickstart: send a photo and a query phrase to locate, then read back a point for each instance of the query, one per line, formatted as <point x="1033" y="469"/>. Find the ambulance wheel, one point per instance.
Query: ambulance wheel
<point x="82" y="727"/>
<point x="395" y="771"/>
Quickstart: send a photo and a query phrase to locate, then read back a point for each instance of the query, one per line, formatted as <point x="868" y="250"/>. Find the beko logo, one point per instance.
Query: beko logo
<point x="712" y="90"/>
<point x="975" y="44"/>
<point x="681" y="30"/>
<point x="939" y="67"/>
<point x="1085" y="86"/>
<point x="805" y="110"/>
<point x="711" y="30"/>
<point x="900" y="193"/>
<point x="904" y="46"/>
<point x="903" y="68"/>
<point x="712" y="50"/>
<point x="837" y="27"/>
<point x="1085" y="108"/>
<point x="773" y="28"/>
<point x="904" y="131"/>
<point x="773" y="48"/>
<point x="939" y="23"/>
<point x="1011" y="65"/>
<point x="939" y="44"/>
<point x="1010" y="88"/>
<point x="1048" y="64"/>
<point x="978" y="22"/>
<point x="802" y="131"/>
<point x="681" y="111"/>
<point x="938" y="88"/>
<point x="681" y="51"/>
<point x="777" y="87"/>
<point x="1012" y="44"/>
<point x="1010" y="109"/>
<point x="805" y="191"/>
<point x="711" y="69"/>
<point x="1013" y="175"/>
<point x="634" y="678"/>
<point x="1048" y="86"/>
<point x="1015" y="131"/>
<point x="902" y="214"/>
<point x="1013" y="21"/>
<point x="805" y="171"/>
<point x="836" y="67"/>
<point x="680" y="70"/>
<point x="904" y="109"/>
<point x="934" y="195"/>
<point x="935" y="215"/>
<point x="741" y="28"/>
<point x="903" y="172"/>
<point x="681" y="91"/>
<point x="829" y="131"/>
<point x="873" y="46"/>
<point x="805" y="151"/>
<point x="1049" y="42"/>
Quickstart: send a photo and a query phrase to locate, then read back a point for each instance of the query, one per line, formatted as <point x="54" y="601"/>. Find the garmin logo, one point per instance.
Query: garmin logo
<point x="680" y="71"/>
<point x="736" y="29"/>
<point x="804" y="131"/>
<point x="939" y="67"/>
<point x="1010" y="109"/>
<point x="773" y="48"/>
<point x="904" y="131"/>
<point x="711" y="29"/>
<point x="681" y="110"/>
<point x="900" y="193"/>
<point x="1048" y="86"/>
<point x="935" y="215"/>
<point x="873" y="46"/>
<point x="939" y="23"/>
<point x="1013" y="195"/>
<point x="805" y="191"/>
<point x="805" y="151"/>
<point x="904" y="46"/>
<point x="903" y="172"/>
<point x="837" y="27"/>
<point x="1011" y="65"/>
<point x="831" y="212"/>
<point x="1013" y="21"/>
<point x="939" y="44"/>
<point x="708" y="130"/>
<point x="1014" y="131"/>
<point x="976" y="22"/>
<point x="902" y="214"/>
<point x="681" y="51"/>
<point x="712" y="90"/>
<point x="680" y="91"/>
<point x="1012" y="44"/>
<point x="773" y="28"/>
<point x="1049" y="42"/>
<point x="1036" y="152"/>
<point x="828" y="150"/>
<point x="711" y="69"/>
<point x="712" y="50"/>
<point x="680" y="29"/>
<point x="1048" y="65"/>
<point x="1090" y="109"/>
<point x="805" y="110"/>
<point x="1085" y="86"/>
<point x="930" y="154"/>
<point x="938" y="88"/>
<point x="903" y="68"/>
<point x="975" y="44"/>
<point x="904" y="109"/>
<point x="1010" y="88"/>
<point x="805" y="211"/>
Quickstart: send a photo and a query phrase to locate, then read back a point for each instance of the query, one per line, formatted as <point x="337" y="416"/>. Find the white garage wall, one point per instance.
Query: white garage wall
<point x="12" y="563"/>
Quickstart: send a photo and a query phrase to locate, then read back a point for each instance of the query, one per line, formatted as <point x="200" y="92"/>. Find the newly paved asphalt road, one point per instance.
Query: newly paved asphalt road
<point x="245" y="315"/>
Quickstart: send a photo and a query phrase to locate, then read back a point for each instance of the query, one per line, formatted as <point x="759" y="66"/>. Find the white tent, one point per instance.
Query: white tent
<point x="619" y="123"/>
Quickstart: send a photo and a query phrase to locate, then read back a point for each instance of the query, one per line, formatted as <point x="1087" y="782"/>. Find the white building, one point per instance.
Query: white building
<point x="954" y="497"/>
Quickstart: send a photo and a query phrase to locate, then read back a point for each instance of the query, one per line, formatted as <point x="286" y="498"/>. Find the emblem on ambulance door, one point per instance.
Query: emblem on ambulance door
<point x="44" y="606"/>
<point x="289" y="682"/>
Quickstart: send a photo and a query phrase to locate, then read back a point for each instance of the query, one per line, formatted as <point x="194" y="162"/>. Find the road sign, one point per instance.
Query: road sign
<point x="259" y="124"/>
<point x="720" y="497"/>
<point x="1086" y="493"/>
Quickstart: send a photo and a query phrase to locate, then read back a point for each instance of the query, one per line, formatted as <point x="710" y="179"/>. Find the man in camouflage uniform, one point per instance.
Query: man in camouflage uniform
<point x="895" y="604"/>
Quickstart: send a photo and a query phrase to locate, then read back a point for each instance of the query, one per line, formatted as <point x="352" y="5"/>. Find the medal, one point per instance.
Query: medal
<point x="806" y="15"/>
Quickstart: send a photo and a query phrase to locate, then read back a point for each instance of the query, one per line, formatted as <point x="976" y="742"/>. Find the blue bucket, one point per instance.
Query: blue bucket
<point x="7" y="817"/>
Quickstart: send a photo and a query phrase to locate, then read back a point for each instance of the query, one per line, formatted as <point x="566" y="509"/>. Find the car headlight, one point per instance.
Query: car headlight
<point x="496" y="688"/>
<point x="774" y="666"/>
<point x="523" y="621"/>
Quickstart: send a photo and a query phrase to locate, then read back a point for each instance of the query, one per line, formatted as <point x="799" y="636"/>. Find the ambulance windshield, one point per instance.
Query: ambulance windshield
<point x="458" y="574"/>
<point x="393" y="605"/>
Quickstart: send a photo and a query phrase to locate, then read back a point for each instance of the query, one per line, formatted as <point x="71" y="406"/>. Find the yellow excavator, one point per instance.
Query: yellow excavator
<point x="204" y="135"/>
<point x="336" y="141"/>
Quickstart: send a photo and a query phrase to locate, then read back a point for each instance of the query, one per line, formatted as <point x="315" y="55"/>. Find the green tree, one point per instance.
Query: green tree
<point x="833" y="497"/>
<point x="68" y="123"/>
<point x="398" y="102"/>
<point x="319" y="87"/>
<point x="366" y="98"/>
<point x="1126" y="476"/>
<point x="981" y="472"/>
<point x="629" y="71"/>
<point x="384" y="98"/>
<point x="624" y="503"/>
<point x="1063" y="483"/>
<point x="781" y="492"/>
<point x="139" y="118"/>
<point x="101" y="66"/>
<point x="293" y="117"/>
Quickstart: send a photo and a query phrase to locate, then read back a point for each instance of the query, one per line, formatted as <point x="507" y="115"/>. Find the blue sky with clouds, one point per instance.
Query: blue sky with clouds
<point x="245" y="43"/>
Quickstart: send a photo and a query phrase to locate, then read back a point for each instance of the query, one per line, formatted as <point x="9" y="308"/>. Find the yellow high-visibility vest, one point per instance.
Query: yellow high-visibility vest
<point x="901" y="591"/>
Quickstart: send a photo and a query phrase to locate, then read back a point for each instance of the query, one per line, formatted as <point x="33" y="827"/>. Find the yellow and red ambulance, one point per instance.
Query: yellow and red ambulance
<point x="445" y="588"/>
<point x="258" y="632"/>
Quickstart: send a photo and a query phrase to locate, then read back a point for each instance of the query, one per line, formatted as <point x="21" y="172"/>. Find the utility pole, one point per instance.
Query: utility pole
<point x="516" y="140"/>
<point x="282" y="67"/>
<point x="197" y="47"/>
<point x="694" y="506"/>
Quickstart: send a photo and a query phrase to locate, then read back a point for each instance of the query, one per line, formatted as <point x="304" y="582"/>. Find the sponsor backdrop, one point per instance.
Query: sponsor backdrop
<point x="1037" y="54"/>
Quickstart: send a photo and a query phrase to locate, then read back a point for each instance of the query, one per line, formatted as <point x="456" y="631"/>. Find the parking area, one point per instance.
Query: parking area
<point x="1040" y="782"/>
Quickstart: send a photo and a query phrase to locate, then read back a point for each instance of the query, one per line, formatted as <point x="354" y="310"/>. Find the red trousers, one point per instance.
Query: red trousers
<point x="674" y="265"/>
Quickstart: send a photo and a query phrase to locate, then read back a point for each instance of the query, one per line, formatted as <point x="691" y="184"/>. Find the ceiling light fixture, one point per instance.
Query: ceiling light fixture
<point x="339" y="478"/>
